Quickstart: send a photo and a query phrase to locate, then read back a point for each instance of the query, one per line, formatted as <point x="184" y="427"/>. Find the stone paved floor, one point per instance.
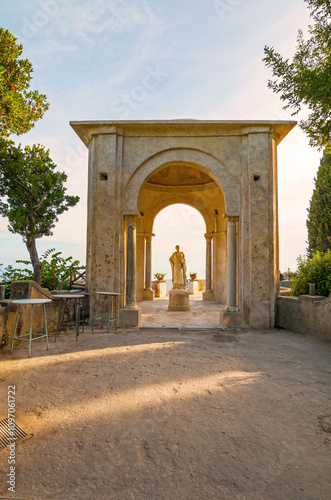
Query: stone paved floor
<point x="203" y="314"/>
<point x="171" y="415"/>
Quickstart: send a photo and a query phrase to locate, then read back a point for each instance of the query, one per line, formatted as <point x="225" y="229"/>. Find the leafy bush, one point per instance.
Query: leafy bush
<point x="315" y="270"/>
<point x="55" y="268"/>
<point x="9" y="274"/>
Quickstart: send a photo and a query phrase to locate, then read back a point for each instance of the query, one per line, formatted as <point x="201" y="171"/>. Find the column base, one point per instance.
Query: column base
<point x="232" y="309"/>
<point x="148" y="294"/>
<point x="208" y="295"/>
<point x="130" y="316"/>
<point x="231" y="319"/>
<point x="179" y="301"/>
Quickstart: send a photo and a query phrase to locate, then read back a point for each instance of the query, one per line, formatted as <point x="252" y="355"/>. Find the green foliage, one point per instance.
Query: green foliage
<point x="20" y="107"/>
<point x="9" y="274"/>
<point x="32" y="194"/>
<point x="159" y="275"/>
<point x="34" y="191"/>
<point x="307" y="79"/>
<point x="55" y="269"/>
<point x="319" y="212"/>
<point x="315" y="270"/>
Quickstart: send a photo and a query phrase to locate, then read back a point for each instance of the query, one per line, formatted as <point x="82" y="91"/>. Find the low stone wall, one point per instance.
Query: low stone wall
<point x="305" y="314"/>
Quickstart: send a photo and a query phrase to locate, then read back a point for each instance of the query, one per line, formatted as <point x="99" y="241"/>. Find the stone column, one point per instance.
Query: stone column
<point x="231" y="261"/>
<point x="148" y="293"/>
<point x="131" y="261"/>
<point x="148" y="263"/>
<point x="130" y="315"/>
<point x="208" y="263"/>
<point x="208" y="293"/>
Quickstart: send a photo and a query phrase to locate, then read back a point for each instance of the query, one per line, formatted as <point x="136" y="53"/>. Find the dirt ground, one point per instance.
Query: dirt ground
<point x="171" y="414"/>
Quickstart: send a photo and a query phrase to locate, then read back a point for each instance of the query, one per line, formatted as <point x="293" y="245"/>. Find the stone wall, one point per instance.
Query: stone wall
<point x="305" y="314"/>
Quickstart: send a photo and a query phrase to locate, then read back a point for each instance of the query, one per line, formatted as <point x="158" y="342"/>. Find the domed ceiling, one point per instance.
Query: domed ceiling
<point x="179" y="175"/>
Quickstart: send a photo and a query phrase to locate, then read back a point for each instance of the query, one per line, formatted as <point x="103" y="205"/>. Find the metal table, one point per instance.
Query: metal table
<point x="112" y="307"/>
<point x="65" y="308"/>
<point x="31" y="302"/>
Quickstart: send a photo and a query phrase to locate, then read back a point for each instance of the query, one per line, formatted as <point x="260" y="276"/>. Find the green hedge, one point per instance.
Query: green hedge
<point x="315" y="270"/>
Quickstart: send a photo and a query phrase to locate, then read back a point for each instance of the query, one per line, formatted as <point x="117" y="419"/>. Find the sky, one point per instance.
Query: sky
<point x="91" y="57"/>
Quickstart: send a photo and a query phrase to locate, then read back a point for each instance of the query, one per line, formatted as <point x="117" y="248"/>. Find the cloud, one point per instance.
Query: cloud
<point x="93" y="17"/>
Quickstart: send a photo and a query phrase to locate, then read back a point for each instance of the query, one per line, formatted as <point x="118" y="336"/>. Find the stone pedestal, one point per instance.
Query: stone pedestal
<point x="179" y="300"/>
<point x="159" y="288"/>
<point x="193" y="287"/>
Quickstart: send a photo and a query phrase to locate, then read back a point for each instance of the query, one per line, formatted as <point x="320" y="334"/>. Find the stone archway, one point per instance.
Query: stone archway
<point x="240" y="158"/>
<point x="183" y="182"/>
<point x="205" y="163"/>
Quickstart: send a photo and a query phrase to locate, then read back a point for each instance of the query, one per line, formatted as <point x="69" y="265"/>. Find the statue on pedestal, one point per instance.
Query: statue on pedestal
<point x="178" y="267"/>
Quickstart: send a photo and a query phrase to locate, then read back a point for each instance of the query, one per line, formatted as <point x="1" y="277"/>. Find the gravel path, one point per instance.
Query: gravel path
<point x="166" y="414"/>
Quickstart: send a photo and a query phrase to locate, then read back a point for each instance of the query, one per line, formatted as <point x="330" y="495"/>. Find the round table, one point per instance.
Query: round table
<point x="31" y="302"/>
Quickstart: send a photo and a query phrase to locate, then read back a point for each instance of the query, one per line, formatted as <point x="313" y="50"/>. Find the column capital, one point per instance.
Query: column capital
<point x="231" y="217"/>
<point x="131" y="219"/>
<point x="148" y="236"/>
<point x="217" y="234"/>
<point x="209" y="237"/>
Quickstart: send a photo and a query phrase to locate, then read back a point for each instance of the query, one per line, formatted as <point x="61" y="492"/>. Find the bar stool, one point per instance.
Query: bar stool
<point x="112" y="307"/>
<point x="65" y="309"/>
<point x="31" y="334"/>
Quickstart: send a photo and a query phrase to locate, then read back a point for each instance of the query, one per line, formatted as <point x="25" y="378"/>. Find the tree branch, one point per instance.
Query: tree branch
<point x="20" y="184"/>
<point x="40" y="203"/>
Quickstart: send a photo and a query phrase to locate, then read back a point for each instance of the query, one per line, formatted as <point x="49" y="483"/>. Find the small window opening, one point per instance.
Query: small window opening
<point x="103" y="177"/>
<point x="256" y="178"/>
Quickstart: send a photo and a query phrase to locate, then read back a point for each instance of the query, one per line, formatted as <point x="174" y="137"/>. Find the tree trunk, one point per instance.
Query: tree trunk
<point x="36" y="264"/>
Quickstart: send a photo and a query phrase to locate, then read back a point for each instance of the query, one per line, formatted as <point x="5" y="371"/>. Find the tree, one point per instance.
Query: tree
<point x="319" y="212"/>
<point x="307" y="79"/>
<point x="32" y="195"/>
<point x="20" y="107"/>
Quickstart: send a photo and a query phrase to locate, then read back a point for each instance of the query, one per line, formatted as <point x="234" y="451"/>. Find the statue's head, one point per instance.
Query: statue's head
<point x="177" y="248"/>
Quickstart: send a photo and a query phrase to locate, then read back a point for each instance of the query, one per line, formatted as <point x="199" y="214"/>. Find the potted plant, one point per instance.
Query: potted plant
<point x="193" y="276"/>
<point x="159" y="276"/>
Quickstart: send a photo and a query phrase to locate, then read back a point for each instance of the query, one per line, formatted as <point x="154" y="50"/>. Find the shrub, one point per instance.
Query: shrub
<point x="9" y="274"/>
<point x="313" y="270"/>
<point x="55" y="268"/>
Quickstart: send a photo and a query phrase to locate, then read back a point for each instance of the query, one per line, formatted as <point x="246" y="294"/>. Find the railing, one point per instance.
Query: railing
<point x="77" y="280"/>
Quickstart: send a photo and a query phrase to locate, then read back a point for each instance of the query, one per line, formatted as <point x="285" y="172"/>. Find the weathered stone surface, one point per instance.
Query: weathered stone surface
<point x="305" y="314"/>
<point x="130" y="317"/>
<point x="179" y="300"/>
<point x="137" y="168"/>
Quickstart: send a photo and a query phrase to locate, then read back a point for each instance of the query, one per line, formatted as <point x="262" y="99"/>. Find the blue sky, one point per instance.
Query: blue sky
<point x="91" y="58"/>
